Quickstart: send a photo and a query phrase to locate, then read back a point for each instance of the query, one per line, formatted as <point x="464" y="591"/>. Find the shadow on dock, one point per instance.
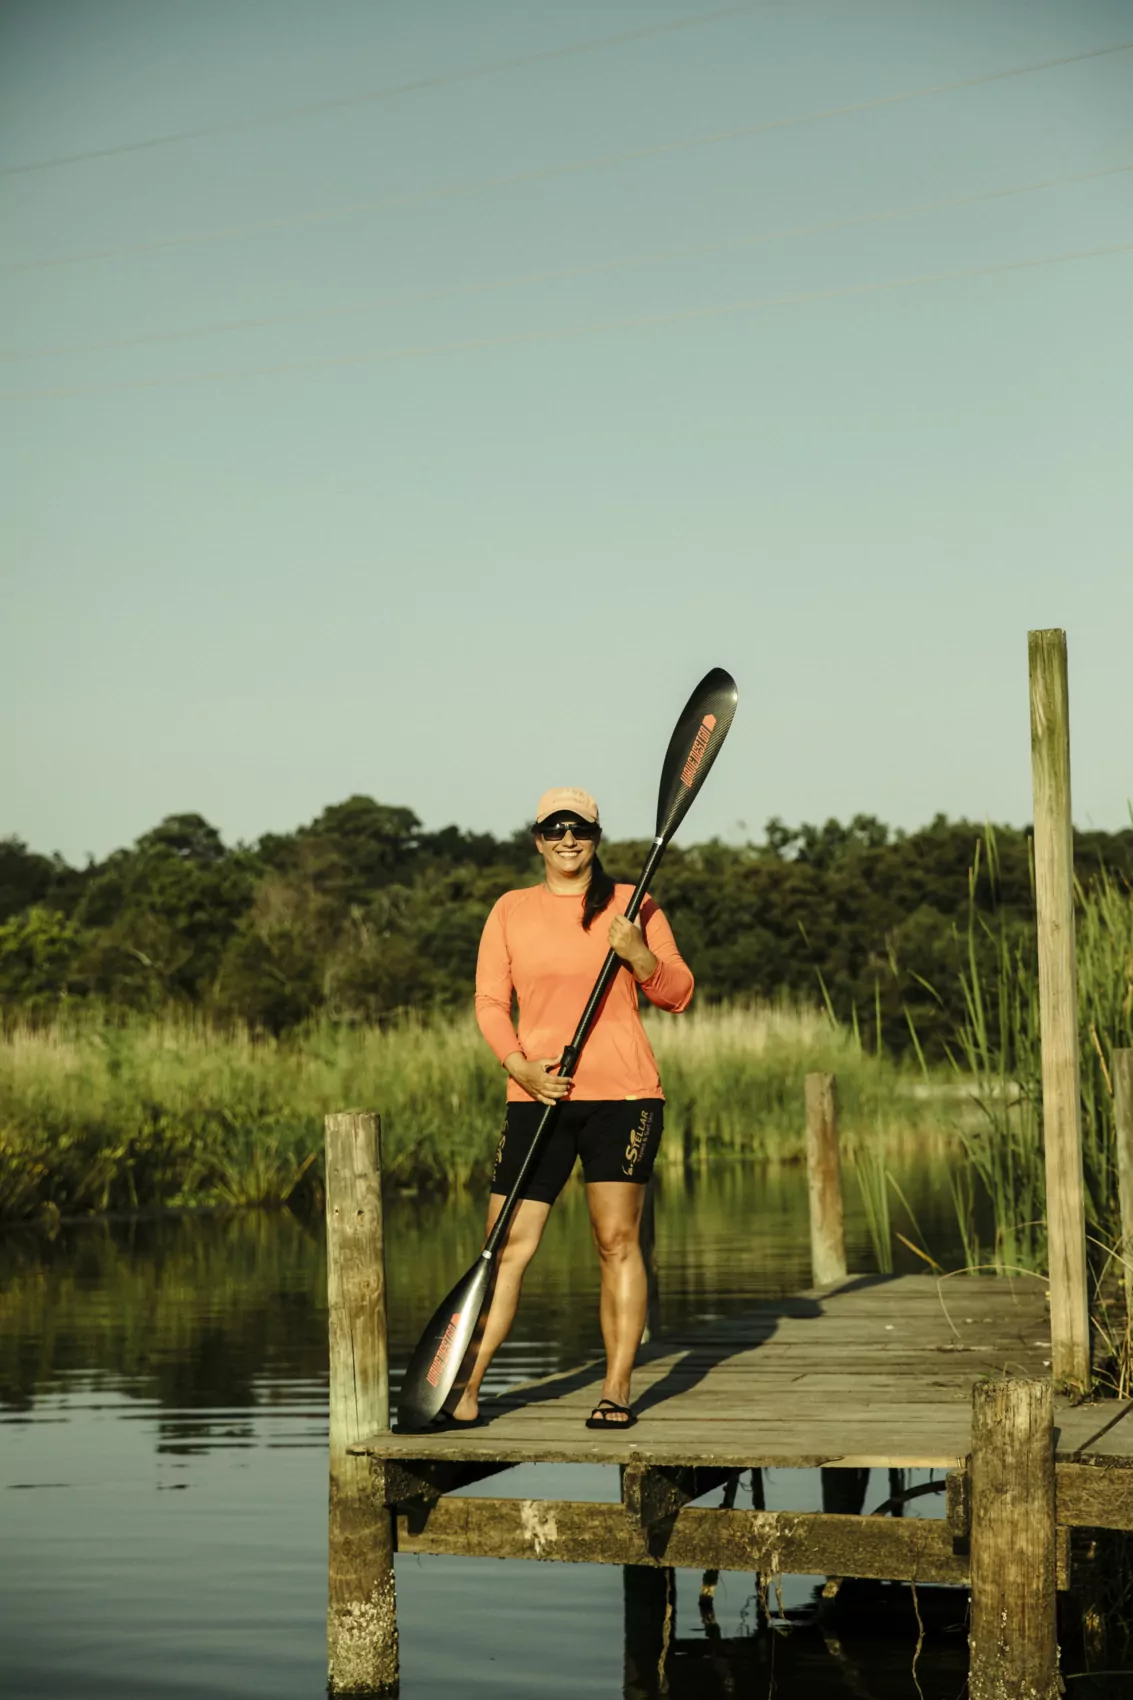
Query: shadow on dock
<point x="714" y="1344"/>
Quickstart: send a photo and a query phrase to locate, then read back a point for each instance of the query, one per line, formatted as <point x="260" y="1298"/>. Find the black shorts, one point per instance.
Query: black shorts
<point x="617" y="1139"/>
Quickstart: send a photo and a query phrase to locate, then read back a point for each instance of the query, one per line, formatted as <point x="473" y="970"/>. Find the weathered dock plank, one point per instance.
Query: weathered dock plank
<point x="772" y="1542"/>
<point x="884" y="1442"/>
<point x="1094" y="1496"/>
<point x="874" y="1372"/>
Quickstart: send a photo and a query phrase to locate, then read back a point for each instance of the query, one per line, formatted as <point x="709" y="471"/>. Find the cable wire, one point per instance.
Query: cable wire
<point x="564" y="274"/>
<point x="684" y="315"/>
<point x="544" y="173"/>
<point x="390" y="92"/>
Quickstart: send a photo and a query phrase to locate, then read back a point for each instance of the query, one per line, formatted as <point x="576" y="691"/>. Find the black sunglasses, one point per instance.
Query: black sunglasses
<point x="585" y="831"/>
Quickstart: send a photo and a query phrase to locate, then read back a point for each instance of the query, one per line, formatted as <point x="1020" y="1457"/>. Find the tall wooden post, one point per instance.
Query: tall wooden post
<point x="1123" y="1130"/>
<point x="1058" y="1002"/>
<point x="1014" y="1645"/>
<point x="362" y="1615"/>
<point x="824" y="1182"/>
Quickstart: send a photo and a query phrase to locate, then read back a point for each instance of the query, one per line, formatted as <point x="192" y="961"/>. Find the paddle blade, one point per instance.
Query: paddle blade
<point x="444" y="1349"/>
<point x="694" y="746"/>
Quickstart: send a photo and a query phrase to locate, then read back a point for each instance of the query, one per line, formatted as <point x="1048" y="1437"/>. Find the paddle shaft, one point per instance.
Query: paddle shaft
<point x="571" y="1055"/>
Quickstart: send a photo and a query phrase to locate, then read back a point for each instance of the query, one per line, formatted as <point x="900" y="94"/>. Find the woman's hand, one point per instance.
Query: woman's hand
<point x="627" y="938"/>
<point x="536" y="1075"/>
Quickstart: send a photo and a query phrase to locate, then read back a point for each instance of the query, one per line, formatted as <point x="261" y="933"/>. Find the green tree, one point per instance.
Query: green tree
<point x="361" y="913"/>
<point x="41" y="954"/>
<point x="270" y="978"/>
<point x="172" y="903"/>
<point x="355" y="848"/>
<point x="27" y="879"/>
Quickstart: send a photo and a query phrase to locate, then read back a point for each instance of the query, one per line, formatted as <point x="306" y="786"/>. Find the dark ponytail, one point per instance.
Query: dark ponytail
<point x="598" y="892"/>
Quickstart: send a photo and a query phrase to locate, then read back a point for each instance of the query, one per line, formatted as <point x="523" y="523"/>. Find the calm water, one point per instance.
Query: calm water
<point x="163" y="1465"/>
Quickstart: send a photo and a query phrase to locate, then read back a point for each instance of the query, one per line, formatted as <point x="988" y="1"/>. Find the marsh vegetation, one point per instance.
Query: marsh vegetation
<point x="178" y="1019"/>
<point x="117" y="1114"/>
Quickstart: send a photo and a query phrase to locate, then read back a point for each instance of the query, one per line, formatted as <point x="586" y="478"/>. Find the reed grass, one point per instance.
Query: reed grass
<point x="874" y="1182"/>
<point x="99" y="1114"/>
<point x="998" y="1053"/>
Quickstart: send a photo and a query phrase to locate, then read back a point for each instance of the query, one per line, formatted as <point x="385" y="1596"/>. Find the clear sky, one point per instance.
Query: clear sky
<point x="552" y="378"/>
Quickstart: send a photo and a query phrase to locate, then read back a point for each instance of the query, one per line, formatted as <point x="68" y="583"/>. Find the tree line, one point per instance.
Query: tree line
<point x="363" y="913"/>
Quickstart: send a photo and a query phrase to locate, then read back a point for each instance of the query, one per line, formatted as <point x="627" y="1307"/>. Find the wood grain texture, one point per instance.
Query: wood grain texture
<point x="872" y="1374"/>
<point x="651" y="1496"/>
<point x="362" y="1612"/>
<point x="1014" y="1649"/>
<point x="1058" y="1000"/>
<point x="876" y="1372"/>
<point x="824" y="1182"/>
<point x="1094" y="1496"/>
<point x="1086" y="1496"/>
<point x="1123" y="1132"/>
<point x="771" y="1542"/>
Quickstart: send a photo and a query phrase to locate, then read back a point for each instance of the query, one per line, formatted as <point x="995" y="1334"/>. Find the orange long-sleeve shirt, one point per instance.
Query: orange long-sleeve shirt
<point x="534" y="945"/>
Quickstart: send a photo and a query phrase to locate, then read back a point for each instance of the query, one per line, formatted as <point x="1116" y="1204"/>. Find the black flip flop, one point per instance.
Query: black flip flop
<point x="442" y="1423"/>
<point x="608" y="1414"/>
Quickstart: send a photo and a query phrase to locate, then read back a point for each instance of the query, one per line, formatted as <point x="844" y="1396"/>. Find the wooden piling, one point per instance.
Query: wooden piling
<point x="844" y="1491"/>
<point x="362" y="1614"/>
<point x="1014" y="1647"/>
<point x="824" y="1178"/>
<point x="1058" y="1002"/>
<point x="1123" y="1128"/>
<point x="649" y="1607"/>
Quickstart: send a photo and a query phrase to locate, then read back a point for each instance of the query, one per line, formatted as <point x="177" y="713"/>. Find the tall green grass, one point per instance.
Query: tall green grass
<point x="99" y="1115"/>
<point x="998" y="1051"/>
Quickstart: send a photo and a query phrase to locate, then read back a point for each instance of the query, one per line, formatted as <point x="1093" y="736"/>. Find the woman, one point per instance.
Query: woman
<point x="542" y="944"/>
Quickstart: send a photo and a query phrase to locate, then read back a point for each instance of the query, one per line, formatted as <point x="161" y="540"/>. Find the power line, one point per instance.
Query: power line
<point x="543" y="173"/>
<point x="390" y="92"/>
<point x="684" y="315"/>
<point x="564" y="274"/>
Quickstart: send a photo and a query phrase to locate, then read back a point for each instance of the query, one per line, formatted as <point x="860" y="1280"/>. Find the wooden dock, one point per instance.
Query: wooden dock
<point x="878" y="1373"/>
<point x="947" y="1374"/>
<point x="986" y="1380"/>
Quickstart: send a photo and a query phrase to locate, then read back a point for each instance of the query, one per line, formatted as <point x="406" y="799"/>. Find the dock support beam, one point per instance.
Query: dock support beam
<point x="824" y="1181"/>
<point x="1123" y="1130"/>
<point x="1058" y="1006"/>
<point x="1014" y="1646"/>
<point x="362" y="1614"/>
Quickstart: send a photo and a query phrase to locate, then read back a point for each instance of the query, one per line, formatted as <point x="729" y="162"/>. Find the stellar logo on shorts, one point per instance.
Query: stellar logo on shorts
<point x="699" y="745"/>
<point x="443" y="1350"/>
<point x="637" y="1141"/>
<point x="499" y="1152"/>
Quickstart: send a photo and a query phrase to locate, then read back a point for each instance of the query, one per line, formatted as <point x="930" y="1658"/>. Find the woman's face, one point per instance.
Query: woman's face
<point x="568" y="856"/>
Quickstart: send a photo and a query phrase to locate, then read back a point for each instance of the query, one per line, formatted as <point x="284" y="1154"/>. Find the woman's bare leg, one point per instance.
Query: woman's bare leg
<point x="615" y="1221"/>
<point x="515" y="1254"/>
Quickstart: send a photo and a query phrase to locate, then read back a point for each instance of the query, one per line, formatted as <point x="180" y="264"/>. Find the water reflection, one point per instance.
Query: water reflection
<point x="866" y="1644"/>
<point x="207" y="1315"/>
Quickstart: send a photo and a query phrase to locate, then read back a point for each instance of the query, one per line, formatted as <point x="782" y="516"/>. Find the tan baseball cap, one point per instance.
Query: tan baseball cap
<point x="567" y="800"/>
